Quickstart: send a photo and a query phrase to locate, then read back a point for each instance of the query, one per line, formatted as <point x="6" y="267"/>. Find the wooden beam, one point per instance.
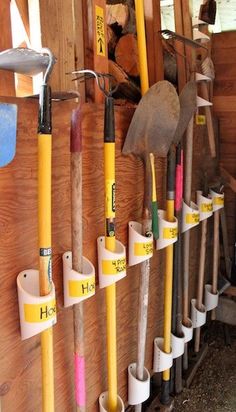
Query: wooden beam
<point x="95" y="44"/>
<point x="188" y="32"/>
<point x="179" y="46"/>
<point x="57" y="33"/>
<point x="78" y="29"/>
<point x="22" y="6"/>
<point x="154" y="45"/>
<point x="7" y="83"/>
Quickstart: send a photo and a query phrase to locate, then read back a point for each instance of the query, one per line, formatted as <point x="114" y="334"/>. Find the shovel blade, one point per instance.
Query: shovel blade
<point x="154" y="122"/>
<point x="8" y="122"/>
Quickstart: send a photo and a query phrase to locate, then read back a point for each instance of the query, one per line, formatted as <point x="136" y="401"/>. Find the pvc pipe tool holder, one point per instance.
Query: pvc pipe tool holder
<point x="196" y="22"/>
<point x="190" y="216"/>
<point x="103" y="403"/>
<point x="77" y="286"/>
<point x="37" y="313"/>
<point x="168" y="231"/>
<point x="140" y="247"/>
<point x="199" y="36"/>
<point x="162" y="360"/>
<point x="188" y="331"/>
<point x="205" y="205"/>
<point x="211" y="299"/>
<point x="111" y="265"/>
<point x="202" y="78"/>
<point x="198" y="317"/>
<point x="177" y="345"/>
<point x="138" y="391"/>
<point x="203" y="102"/>
<point x="217" y="199"/>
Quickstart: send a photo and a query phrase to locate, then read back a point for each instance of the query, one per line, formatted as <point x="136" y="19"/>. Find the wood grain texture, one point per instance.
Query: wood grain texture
<point x="224" y="105"/>
<point x="20" y="361"/>
<point x="7" y="83"/>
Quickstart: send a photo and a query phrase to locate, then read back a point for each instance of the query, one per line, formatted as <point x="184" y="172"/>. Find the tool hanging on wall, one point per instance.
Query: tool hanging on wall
<point x="27" y="61"/>
<point x="187" y="108"/>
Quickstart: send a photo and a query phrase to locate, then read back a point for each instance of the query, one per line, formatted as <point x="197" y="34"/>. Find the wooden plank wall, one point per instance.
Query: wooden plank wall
<point x="224" y="57"/>
<point x="20" y="372"/>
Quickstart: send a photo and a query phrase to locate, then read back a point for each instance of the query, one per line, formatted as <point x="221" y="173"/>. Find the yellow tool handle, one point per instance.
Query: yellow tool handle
<point x="45" y="263"/>
<point x="167" y="289"/>
<point x="110" y="244"/>
<point x="142" y="50"/>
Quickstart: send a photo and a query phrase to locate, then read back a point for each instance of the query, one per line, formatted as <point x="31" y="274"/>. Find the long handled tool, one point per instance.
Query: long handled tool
<point x="26" y="61"/>
<point x="151" y="131"/>
<point x="187" y="108"/>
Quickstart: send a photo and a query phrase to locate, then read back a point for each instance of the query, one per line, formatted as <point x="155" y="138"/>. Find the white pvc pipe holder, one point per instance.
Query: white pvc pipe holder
<point x="103" y="403"/>
<point x="211" y="299"/>
<point x="217" y="199"/>
<point x="140" y="247"/>
<point x="198" y="317"/>
<point x="196" y="22"/>
<point x="77" y="286"/>
<point x="37" y="313"/>
<point x="203" y="102"/>
<point x="177" y="344"/>
<point x="161" y="360"/>
<point x="188" y="331"/>
<point x="199" y="36"/>
<point x="205" y="205"/>
<point x="190" y="216"/>
<point x="138" y="391"/>
<point x="168" y="231"/>
<point x="202" y="77"/>
<point x="111" y="265"/>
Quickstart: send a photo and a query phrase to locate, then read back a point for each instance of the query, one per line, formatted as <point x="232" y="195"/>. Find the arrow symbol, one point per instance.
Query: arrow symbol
<point x="100" y="41"/>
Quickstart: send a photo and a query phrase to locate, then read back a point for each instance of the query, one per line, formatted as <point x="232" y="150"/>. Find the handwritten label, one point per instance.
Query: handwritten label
<point x="206" y="207"/>
<point x="192" y="218"/>
<point x="41" y="312"/>
<point x="200" y="119"/>
<point x="113" y="267"/>
<point x="143" y="249"/>
<point x="170" y="232"/>
<point x="110" y="198"/>
<point x="218" y="201"/>
<point x="81" y="288"/>
<point x="100" y="31"/>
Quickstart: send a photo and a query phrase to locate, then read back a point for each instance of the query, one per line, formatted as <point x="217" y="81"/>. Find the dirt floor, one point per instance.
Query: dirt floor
<point x="214" y="386"/>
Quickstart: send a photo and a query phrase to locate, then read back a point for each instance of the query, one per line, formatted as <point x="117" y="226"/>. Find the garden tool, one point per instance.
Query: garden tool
<point x="27" y="61"/>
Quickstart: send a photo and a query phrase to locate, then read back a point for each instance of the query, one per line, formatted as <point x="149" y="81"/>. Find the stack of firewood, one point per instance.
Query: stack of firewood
<point x="123" y="49"/>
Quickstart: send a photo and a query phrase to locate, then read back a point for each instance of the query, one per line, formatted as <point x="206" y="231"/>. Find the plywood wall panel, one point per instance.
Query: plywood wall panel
<point x="20" y="372"/>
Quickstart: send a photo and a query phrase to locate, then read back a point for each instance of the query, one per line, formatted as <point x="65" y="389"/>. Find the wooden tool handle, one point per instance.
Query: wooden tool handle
<point x="75" y="131"/>
<point x="210" y="128"/>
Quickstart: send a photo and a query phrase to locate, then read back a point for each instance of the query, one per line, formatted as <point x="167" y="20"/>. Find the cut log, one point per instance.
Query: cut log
<point x="127" y="89"/>
<point x="112" y="40"/>
<point x="126" y="54"/>
<point x="117" y="14"/>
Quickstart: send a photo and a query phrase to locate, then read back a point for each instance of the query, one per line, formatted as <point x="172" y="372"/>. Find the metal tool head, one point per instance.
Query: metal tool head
<point x="188" y="106"/>
<point x="27" y="61"/>
<point x="8" y="123"/>
<point x="154" y="122"/>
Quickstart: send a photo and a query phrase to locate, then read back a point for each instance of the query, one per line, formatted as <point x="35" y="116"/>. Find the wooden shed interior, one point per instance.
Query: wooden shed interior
<point x="68" y="28"/>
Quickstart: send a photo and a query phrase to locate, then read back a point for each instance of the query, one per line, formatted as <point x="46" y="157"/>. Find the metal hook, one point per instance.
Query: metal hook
<point x="100" y="80"/>
<point x="50" y="65"/>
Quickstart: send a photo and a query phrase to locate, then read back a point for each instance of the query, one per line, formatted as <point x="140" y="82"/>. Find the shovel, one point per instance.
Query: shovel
<point x="152" y="130"/>
<point x="27" y="61"/>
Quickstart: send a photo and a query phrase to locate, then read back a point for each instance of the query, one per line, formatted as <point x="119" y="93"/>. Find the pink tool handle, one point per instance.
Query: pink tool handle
<point x="80" y="380"/>
<point x="179" y="184"/>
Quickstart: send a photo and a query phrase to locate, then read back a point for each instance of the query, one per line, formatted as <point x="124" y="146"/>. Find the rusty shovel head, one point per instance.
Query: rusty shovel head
<point x="188" y="106"/>
<point x="24" y="61"/>
<point x="154" y="122"/>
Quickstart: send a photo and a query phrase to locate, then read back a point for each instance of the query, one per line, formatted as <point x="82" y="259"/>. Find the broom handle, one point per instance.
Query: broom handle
<point x="77" y="254"/>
